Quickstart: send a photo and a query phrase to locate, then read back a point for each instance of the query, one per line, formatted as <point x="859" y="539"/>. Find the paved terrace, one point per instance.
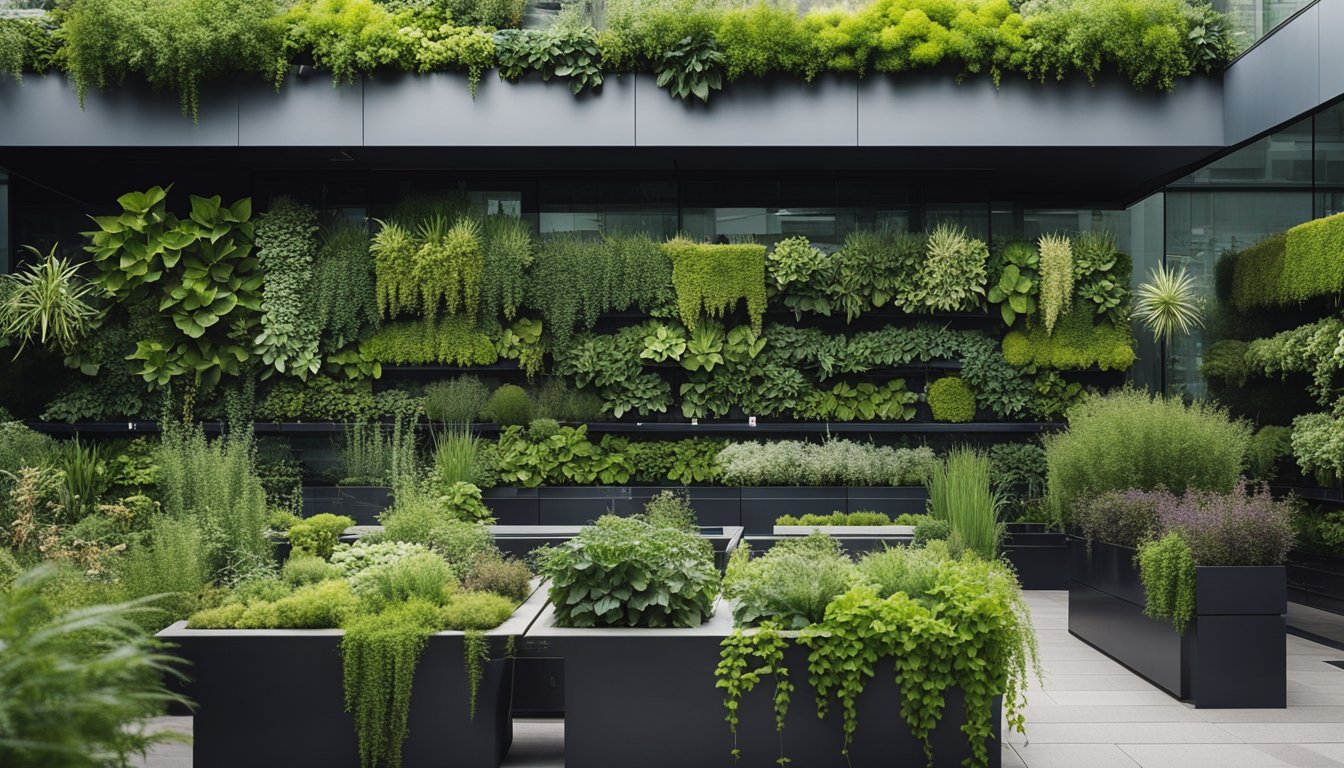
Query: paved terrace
<point x="1090" y="713"/>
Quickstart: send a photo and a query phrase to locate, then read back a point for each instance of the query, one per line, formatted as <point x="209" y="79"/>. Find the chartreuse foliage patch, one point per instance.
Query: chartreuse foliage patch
<point x="712" y="279"/>
<point x="1291" y="267"/>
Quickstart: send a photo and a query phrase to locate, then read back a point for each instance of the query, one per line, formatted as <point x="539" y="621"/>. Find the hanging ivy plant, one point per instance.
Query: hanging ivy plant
<point x="344" y="300"/>
<point x="737" y="676"/>
<point x="712" y="279"/>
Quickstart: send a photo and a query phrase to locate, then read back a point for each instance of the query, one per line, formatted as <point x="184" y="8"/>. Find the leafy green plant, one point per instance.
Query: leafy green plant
<point x="286" y="251"/>
<point x="736" y="675"/>
<point x="961" y="493"/>
<point x="791" y="584"/>
<point x="214" y="485"/>
<point x="873" y="269"/>
<point x="47" y="302"/>
<point x="1056" y="279"/>
<point x="704" y="350"/>
<point x="563" y="403"/>
<point x="456" y="454"/>
<point x="1101" y="275"/>
<point x="864" y="401"/>
<point x="454" y="340"/>
<point x="560" y="51"/>
<point x="79" y="682"/>
<point x="559" y="457"/>
<point x="344" y="298"/>
<point x="799" y="274"/>
<point x="953" y="275"/>
<point x="931" y="529"/>
<point x="201" y="268"/>
<point x="1018" y="282"/>
<point x="626" y="572"/>
<point x="670" y="509"/>
<point x="664" y="343"/>
<point x="1167" y="569"/>
<point x="1017" y="476"/>
<point x="712" y="279"/>
<point x="505" y="576"/>
<point x="1167" y="303"/>
<point x="692" y="67"/>
<point x="951" y="399"/>
<point x="575" y="280"/>
<point x="317" y="535"/>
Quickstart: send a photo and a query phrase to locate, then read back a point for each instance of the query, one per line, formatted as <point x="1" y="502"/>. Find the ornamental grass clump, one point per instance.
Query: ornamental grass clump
<point x="1132" y="440"/>
<point x="960" y="493"/>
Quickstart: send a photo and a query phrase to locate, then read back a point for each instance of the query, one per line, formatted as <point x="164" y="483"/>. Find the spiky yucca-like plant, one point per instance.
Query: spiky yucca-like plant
<point x="1167" y="303"/>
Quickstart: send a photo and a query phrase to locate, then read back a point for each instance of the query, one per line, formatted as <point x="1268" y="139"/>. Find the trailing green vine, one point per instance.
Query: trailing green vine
<point x="711" y="279"/>
<point x="477" y="654"/>
<point x="393" y="250"/>
<point x="737" y="676"/>
<point x="344" y="302"/>
<point x="380" y="653"/>
<point x="1167" y="570"/>
<point x="448" y="266"/>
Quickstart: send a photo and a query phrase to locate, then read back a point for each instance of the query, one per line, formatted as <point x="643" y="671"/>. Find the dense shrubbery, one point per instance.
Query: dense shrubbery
<point x="694" y="45"/>
<point x="1131" y="440"/>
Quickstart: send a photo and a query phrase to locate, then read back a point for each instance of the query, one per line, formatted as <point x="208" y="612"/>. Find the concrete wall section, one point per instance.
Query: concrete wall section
<point x="933" y="110"/>
<point x="1276" y="81"/>
<point x="438" y="111"/>
<point x="768" y="112"/>
<point x="308" y="111"/>
<point x="44" y="112"/>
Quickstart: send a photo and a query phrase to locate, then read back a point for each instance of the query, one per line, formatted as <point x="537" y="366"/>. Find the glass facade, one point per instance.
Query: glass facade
<point x="1267" y="186"/>
<point x="5" y="257"/>
<point x="1254" y="19"/>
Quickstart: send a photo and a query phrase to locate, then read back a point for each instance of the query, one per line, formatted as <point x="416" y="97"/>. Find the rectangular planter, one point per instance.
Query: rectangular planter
<point x="899" y="500"/>
<point x="713" y="505"/>
<point x="762" y="506"/>
<point x="1040" y="558"/>
<point x="891" y="532"/>
<point x="579" y="505"/>
<point x="1316" y="581"/>
<point x="364" y="503"/>
<point x="648" y="697"/>
<point x="512" y="505"/>
<point x="276" y="697"/>
<point x="1233" y="653"/>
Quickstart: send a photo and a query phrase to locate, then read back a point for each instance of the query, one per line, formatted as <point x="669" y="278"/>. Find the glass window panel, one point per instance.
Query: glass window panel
<point x="1253" y="19"/>
<point x="973" y="216"/>
<point x="1203" y="224"/>
<point x="4" y="222"/>
<point x="1330" y="160"/>
<point x="1280" y="159"/>
<point x="571" y="207"/>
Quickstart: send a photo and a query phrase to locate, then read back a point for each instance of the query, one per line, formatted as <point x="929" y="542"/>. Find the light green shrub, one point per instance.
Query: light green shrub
<point x="424" y="577"/>
<point x="1076" y="344"/>
<point x="951" y="399"/>
<point x="300" y="570"/>
<point x="1131" y="440"/>
<point x="317" y="535"/>
<point x="477" y="610"/>
<point x="509" y="405"/>
<point x="710" y="280"/>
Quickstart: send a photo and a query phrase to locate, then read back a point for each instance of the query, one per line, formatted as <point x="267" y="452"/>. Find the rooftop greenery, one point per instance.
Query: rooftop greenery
<point x="693" y="46"/>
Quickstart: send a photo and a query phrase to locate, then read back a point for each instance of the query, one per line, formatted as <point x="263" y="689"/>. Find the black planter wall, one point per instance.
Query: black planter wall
<point x="1233" y="654"/>
<point x="363" y="503"/>
<point x="623" y="710"/>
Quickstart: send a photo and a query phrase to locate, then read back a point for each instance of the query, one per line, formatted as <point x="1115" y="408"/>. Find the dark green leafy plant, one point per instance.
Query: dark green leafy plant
<point x="201" y="269"/>
<point x="457" y="401"/>
<point x="625" y="572"/>
<point x="286" y="251"/>
<point x="507" y="253"/>
<point x="953" y="275"/>
<point x="692" y="67"/>
<point x="1018" y="282"/>
<point x="576" y="279"/>
<point x="560" y="51"/>
<point x="510" y="405"/>
<point x="344" y="300"/>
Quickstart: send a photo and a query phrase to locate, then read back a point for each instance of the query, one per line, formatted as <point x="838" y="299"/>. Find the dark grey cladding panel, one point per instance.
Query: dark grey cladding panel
<point x="931" y="109"/>
<point x="437" y="110"/>
<point x="44" y="112"/>
<point x="1331" y="40"/>
<point x="765" y="112"/>
<point x="1276" y="81"/>
<point x="308" y="111"/>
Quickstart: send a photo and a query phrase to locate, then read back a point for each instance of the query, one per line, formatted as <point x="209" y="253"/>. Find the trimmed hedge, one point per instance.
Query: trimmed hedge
<point x="1291" y="267"/>
<point x="1076" y="344"/>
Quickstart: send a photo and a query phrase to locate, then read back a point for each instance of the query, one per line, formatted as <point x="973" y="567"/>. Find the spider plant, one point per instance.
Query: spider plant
<point x="46" y="300"/>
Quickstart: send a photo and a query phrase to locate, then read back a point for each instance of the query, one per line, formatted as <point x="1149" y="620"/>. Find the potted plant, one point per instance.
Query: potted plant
<point x="1188" y="591"/>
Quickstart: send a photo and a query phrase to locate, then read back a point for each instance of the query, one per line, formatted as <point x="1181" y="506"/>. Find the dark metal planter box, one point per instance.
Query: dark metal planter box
<point x="647" y="697"/>
<point x="893" y="501"/>
<point x="364" y="503"/>
<point x="579" y="505"/>
<point x="276" y="698"/>
<point x="713" y="505"/>
<point x="521" y="540"/>
<point x="1233" y="653"/>
<point x="762" y="506"/>
<point x="1040" y="558"/>
<point x="512" y="505"/>
<point x="1316" y="581"/>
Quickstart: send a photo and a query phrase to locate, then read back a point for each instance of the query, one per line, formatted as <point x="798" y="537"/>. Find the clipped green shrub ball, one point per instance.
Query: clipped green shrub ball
<point x="951" y="399"/>
<point x="509" y="406"/>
